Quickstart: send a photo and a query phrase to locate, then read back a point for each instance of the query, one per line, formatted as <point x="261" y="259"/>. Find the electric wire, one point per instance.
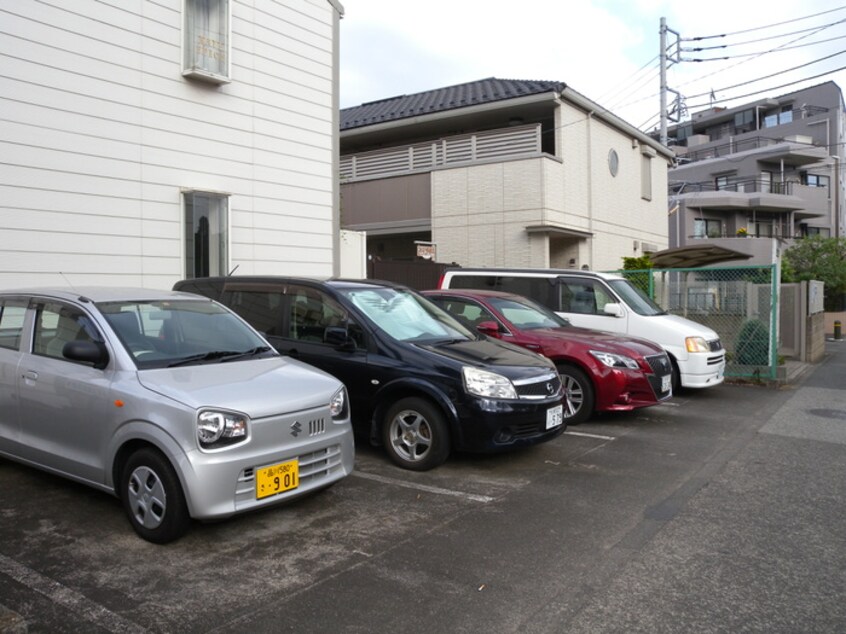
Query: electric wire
<point x="761" y="28"/>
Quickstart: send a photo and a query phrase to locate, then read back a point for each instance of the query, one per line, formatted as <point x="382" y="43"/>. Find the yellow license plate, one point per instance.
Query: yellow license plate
<point x="276" y="479"/>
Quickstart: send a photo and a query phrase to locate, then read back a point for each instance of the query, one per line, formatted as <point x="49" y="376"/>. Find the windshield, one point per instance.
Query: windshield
<point x="170" y="333"/>
<point x="526" y="314"/>
<point x="637" y="300"/>
<point x="406" y="316"/>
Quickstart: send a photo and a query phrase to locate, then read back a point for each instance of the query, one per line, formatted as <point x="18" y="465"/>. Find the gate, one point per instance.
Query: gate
<point x="421" y="275"/>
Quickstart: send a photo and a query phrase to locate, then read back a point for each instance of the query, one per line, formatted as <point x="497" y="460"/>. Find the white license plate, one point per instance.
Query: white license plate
<point x="554" y="416"/>
<point x="666" y="383"/>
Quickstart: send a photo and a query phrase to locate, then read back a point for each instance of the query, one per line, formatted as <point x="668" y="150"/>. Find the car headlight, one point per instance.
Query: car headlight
<point x="487" y="384"/>
<point x="338" y="404"/>
<point x="696" y="344"/>
<point x="615" y="360"/>
<point x="217" y="429"/>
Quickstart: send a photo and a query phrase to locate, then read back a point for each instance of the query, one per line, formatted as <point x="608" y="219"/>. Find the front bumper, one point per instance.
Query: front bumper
<point x="490" y="425"/>
<point x="220" y="484"/>
<point x="705" y="369"/>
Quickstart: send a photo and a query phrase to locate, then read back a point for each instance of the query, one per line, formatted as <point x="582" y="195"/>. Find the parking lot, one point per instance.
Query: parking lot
<point x="720" y="510"/>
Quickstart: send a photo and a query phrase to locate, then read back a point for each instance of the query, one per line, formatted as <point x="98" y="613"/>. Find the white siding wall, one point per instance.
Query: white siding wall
<point x="99" y="132"/>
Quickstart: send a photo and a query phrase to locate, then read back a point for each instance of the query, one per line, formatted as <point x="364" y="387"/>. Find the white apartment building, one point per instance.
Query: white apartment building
<point x="144" y="141"/>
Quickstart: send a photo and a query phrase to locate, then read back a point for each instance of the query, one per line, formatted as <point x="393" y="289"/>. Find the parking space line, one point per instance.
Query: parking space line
<point x="586" y="435"/>
<point x="70" y="599"/>
<point x="423" y="487"/>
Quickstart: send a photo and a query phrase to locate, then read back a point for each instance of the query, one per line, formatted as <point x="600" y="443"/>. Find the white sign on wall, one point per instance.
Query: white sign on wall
<point x="815" y="297"/>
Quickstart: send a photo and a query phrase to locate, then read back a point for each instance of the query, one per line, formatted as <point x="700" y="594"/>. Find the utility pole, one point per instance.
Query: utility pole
<point x="665" y="60"/>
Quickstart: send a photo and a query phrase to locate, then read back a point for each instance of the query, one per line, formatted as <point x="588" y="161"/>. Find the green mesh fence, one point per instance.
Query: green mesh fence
<point x="740" y="303"/>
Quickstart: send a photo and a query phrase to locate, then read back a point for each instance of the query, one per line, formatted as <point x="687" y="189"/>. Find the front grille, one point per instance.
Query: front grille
<point x="314" y="466"/>
<point x="715" y="360"/>
<point x="316" y="427"/>
<point x="660" y="364"/>
<point x="535" y="389"/>
<point x="526" y="430"/>
<point x="715" y="345"/>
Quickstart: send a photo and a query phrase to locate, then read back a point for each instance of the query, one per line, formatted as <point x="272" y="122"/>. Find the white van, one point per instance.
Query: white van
<point x="604" y="301"/>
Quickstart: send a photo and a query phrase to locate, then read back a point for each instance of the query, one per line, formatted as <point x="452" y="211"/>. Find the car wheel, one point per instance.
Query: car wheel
<point x="676" y="376"/>
<point x="578" y="395"/>
<point x="152" y="497"/>
<point x="415" y="434"/>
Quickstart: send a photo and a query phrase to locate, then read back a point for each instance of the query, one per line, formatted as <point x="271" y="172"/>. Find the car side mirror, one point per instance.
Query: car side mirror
<point x="490" y="328"/>
<point x="614" y="309"/>
<point x="338" y="337"/>
<point x="86" y="352"/>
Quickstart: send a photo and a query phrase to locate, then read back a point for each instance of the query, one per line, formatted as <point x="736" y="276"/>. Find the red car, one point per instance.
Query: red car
<point x="600" y="371"/>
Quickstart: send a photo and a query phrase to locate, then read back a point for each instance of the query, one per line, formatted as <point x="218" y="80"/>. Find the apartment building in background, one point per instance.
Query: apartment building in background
<point x="754" y="178"/>
<point x="502" y="172"/>
<point x="145" y="142"/>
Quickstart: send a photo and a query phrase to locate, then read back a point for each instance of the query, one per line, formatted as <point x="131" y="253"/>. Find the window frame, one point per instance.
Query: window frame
<point x="190" y="66"/>
<point x="223" y="241"/>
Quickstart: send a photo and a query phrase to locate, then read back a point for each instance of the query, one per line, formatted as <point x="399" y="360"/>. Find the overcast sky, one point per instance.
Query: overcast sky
<point x="606" y="50"/>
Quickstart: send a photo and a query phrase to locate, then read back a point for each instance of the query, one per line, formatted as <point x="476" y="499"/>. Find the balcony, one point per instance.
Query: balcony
<point x="493" y="145"/>
<point x="746" y="193"/>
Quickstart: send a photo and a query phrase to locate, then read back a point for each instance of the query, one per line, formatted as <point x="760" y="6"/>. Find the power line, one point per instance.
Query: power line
<point x="752" y="94"/>
<point x="761" y="28"/>
<point x="762" y="39"/>
<point x="775" y="50"/>
<point x="618" y="89"/>
<point x="781" y="72"/>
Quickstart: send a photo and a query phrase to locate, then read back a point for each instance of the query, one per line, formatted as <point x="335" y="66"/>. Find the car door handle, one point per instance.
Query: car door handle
<point x="30" y="375"/>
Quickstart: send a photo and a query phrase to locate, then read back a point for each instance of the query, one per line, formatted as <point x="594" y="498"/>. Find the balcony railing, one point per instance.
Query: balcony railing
<point x="749" y="185"/>
<point x="481" y="146"/>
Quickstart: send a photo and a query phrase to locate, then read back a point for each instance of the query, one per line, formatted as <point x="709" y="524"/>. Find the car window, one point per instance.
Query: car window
<point x="465" y="310"/>
<point x="406" y="316"/>
<point x="636" y="299"/>
<point x="166" y="333"/>
<point x="311" y="313"/>
<point x="539" y="288"/>
<point x="526" y="315"/>
<point x="261" y="309"/>
<point x="584" y="296"/>
<point x="12" y="313"/>
<point x="57" y="324"/>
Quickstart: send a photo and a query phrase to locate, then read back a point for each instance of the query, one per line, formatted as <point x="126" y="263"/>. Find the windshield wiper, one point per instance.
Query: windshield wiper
<point x="220" y="356"/>
<point x="252" y="352"/>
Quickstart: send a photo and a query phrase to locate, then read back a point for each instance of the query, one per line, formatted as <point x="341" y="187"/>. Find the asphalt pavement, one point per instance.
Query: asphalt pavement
<point x="720" y="511"/>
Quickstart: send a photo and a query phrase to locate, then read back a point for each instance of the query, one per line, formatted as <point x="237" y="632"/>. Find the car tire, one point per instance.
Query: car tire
<point x="676" y="377"/>
<point x="415" y="434"/>
<point x="152" y="497"/>
<point x="579" y="396"/>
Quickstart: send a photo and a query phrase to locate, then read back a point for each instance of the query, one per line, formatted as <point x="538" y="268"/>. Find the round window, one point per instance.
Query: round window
<point x="613" y="162"/>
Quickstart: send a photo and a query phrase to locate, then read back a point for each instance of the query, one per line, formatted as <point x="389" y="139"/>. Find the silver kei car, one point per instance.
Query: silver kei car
<point x="167" y="400"/>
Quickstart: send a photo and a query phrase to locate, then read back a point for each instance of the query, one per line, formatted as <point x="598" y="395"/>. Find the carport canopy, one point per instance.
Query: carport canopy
<point x="695" y="256"/>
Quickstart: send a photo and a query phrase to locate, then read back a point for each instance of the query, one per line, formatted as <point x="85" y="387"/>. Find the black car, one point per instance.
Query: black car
<point x="419" y="382"/>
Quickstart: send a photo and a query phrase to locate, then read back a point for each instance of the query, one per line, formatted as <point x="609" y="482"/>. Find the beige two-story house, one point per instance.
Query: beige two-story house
<point x="502" y="172"/>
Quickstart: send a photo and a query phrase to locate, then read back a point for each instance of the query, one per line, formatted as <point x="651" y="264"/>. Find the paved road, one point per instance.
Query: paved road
<point x="721" y="511"/>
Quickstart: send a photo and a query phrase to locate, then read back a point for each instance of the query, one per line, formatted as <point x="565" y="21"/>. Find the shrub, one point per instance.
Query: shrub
<point x="753" y="344"/>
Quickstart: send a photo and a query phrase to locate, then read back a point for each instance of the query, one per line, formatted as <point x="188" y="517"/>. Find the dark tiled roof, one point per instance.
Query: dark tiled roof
<point x="442" y="99"/>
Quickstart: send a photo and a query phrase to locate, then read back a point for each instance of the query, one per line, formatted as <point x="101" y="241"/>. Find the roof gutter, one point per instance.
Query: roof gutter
<point x="503" y="104"/>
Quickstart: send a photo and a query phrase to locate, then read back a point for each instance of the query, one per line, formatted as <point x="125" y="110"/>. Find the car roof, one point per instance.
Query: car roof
<point x="334" y="282"/>
<point x="471" y="292"/>
<point x="98" y="293"/>
<point x="527" y="271"/>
